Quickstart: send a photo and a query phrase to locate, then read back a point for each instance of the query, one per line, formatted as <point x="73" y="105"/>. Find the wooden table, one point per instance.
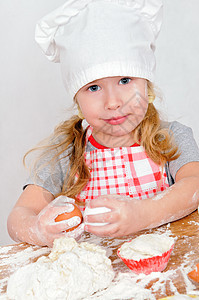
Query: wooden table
<point x="184" y="257"/>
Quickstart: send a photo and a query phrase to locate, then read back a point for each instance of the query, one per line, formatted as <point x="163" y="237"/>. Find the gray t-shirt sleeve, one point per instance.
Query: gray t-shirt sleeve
<point x="186" y="143"/>
<point x="49" y="176"/>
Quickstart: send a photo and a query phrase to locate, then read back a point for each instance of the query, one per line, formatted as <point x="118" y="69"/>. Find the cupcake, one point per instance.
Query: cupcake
<point x="147" y="253"/>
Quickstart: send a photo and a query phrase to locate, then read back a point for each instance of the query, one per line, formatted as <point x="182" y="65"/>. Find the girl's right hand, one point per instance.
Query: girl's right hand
<point x="47" y="229"/>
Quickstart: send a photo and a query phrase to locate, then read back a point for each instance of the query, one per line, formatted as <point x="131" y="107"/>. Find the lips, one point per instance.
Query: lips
<point x="116" y="120"/>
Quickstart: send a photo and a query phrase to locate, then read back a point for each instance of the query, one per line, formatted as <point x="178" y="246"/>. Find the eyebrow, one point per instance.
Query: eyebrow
<point x="91" y="83"/>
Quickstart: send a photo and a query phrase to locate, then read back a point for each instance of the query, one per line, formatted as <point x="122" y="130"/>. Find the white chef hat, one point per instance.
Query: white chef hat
<point x="93" y="39"/>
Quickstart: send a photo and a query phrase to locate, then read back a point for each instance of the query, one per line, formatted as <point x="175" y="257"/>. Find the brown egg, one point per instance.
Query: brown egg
<point x="66" y="216"/>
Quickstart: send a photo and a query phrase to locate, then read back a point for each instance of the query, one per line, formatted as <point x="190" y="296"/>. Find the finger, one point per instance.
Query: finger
<point x="95" y="211"/>
<point x="109" y="217"/>
<point x="56" y="227"/>
<point x="72" y="222"/>
<point x="102" y="231"/>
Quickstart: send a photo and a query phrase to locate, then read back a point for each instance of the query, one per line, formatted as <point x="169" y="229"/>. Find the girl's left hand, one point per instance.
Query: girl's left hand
<point x="124" y="218"/>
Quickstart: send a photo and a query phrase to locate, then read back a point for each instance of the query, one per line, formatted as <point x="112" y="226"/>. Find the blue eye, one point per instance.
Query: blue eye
<point x="125" y="80"/>
<point x="94" y="88"/>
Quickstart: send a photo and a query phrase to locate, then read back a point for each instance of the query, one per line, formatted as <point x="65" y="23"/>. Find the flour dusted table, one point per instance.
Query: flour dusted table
<point x="184" y="256"/>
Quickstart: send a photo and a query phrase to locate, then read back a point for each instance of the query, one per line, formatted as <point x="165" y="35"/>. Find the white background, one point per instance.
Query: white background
<point x="33" y="99"/>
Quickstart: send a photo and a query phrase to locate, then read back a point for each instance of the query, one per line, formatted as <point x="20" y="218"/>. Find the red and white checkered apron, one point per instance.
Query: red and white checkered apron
<point x="124" y="171"/>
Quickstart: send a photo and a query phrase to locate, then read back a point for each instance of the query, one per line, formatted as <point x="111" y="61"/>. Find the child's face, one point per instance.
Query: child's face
<point x="114" y="107"/>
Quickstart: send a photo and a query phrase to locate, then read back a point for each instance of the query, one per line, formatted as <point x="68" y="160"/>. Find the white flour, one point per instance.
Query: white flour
<point x="16" y="260"/>
<point x="71" y="271"/>
<point x="130" y="286"/>
<point x="23" y="257"/>
<point x="125" y="285"/>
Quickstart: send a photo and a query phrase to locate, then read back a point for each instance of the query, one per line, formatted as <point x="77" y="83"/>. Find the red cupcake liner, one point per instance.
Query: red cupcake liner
<point x="148" y="265"/>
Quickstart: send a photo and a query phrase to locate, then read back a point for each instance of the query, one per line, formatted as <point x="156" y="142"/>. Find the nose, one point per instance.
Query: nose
<point x="113" y="101"/>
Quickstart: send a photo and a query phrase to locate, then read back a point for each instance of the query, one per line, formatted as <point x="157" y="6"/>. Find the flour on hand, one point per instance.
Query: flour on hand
<point x="71" y="271"/>
<point x="94" y="211"/>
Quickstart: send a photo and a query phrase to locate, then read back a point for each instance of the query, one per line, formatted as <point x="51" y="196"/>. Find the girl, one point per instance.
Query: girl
<point x="144" y="170"/>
